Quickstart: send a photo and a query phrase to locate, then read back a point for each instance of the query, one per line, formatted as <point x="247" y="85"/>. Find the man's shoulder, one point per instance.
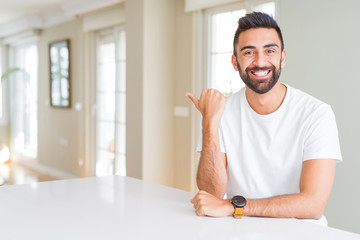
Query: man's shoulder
<point x="301" y="99"/>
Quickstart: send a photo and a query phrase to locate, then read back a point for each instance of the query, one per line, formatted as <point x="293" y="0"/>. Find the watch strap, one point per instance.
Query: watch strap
<point x="238" y="212"/>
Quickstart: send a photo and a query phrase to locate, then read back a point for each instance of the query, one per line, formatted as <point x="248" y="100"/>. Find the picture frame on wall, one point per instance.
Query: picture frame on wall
<point x="60" y="87"/>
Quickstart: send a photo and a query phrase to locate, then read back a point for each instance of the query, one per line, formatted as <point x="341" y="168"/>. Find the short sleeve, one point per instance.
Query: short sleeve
<point x="321" y="139"/>
<point x="221" y="141"/>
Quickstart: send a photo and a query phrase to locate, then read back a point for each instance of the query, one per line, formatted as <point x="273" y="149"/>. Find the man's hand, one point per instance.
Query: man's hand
<point x="211" y="104"/>
<point x="206" y="204"/>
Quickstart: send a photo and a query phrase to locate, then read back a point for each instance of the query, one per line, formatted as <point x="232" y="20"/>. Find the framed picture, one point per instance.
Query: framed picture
<point x="59" y="55"/>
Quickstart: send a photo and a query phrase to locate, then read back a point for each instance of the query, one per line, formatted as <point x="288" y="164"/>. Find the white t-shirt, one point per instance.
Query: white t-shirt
<point x="265" y="152"/>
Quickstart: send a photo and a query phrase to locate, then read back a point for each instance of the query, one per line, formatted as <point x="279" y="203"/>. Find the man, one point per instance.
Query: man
<point x="270" y="147"/>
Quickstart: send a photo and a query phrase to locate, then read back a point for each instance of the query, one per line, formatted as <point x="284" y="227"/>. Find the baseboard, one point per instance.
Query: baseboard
<point x="52" y="172"/>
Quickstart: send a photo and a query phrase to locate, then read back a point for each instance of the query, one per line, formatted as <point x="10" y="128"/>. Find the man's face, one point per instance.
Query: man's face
<point x="259" y="59"/>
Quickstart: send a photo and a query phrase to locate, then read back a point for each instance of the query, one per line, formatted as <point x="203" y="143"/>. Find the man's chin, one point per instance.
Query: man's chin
<point x="261" y="88"/>
<point x="260" y="91"/>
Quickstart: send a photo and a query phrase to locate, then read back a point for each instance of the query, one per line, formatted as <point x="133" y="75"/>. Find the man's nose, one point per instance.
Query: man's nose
<point x="260" y="60"/>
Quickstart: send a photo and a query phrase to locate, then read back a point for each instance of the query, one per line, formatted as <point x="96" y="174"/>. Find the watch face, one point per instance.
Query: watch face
<point x="239" y="201"/>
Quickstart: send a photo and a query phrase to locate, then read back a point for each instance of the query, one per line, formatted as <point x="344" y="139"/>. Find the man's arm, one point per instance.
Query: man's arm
<point x="316" y="182"/>
<point x="211" y="175"/>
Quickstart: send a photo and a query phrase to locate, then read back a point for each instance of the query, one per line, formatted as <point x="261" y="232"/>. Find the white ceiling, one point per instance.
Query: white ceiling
<point x="21" y="15"/>
<point x="11" y="10"/>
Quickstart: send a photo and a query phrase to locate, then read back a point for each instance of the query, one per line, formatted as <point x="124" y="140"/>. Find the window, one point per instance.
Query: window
<point x="221" y="24"/>
<point x="1" y="89"/>
<point x="23" y="93"/>
<point x="268" y="8"/>
<point x="110" y="102"/>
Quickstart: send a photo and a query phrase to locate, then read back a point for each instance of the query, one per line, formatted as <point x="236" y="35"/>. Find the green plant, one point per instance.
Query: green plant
<point x="9" y="72"/>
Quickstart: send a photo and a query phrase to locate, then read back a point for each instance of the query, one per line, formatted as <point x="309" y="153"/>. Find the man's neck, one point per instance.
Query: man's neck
<point x="268" y="102"/>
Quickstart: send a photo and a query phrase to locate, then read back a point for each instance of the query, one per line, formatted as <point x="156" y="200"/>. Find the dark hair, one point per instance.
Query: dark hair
<point x="256" y="20"/>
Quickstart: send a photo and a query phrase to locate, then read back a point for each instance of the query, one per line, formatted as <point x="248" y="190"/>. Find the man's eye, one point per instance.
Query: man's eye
<point x="249" y="53"/>
<point x="270" y="51"/>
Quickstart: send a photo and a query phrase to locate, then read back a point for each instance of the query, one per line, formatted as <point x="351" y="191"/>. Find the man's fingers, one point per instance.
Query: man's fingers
<point x="200" y="211"/>
<point x="193" y="99"/>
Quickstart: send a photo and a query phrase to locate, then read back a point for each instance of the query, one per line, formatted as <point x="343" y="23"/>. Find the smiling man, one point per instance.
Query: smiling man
<point x="270" y="147"/>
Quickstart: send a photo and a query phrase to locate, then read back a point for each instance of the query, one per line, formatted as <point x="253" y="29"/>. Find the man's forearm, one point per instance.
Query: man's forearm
<point x="211" y="175"/>
<point x="300" y="206"/>
<point x="316" y="181"/>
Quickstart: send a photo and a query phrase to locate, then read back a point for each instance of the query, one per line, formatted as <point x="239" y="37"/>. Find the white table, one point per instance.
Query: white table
<point x="125" y="208"/>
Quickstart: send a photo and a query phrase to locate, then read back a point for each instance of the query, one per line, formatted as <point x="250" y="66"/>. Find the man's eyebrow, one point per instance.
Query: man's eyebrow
<point x="253" y="47"/>
<point x="271" y="45"/>
<point x="247" y="47"/>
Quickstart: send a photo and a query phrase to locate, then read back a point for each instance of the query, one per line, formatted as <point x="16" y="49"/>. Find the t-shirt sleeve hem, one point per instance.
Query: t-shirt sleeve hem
<point x="338" y="159"/>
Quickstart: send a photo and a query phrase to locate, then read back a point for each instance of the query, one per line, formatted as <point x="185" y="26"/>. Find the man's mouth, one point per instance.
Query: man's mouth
<point x="261" y="73"/>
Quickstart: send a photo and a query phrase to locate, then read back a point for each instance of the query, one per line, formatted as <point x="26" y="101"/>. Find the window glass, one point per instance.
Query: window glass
<point x="268" y="8"/>
<point x="110" y="102"/>
<point x="1" y="93"/>
<point x="23" y="112"/>
<point x="222" y="76"/>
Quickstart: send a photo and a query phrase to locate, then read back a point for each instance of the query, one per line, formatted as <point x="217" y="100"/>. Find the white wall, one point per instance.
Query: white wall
<point x="183" y="75"/>
<point x="55" y="124"/>
<point x="134" y="26"/>
<point x="150" y="89"/>
<point x="322" y="42"/>
<point x="158" y="91"/>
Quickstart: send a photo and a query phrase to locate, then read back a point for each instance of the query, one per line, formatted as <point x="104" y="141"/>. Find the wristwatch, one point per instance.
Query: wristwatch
<point x="239" y="203"/>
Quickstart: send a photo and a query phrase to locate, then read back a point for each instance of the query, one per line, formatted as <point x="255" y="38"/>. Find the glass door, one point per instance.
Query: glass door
<point x="23" y="106"/>
<point x="110" y="102"/>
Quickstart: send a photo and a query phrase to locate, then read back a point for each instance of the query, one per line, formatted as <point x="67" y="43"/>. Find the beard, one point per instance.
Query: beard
<point x="260" y="86"/>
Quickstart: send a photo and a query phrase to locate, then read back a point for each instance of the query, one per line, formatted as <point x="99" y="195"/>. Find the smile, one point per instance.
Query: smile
<point x="261" y="74"/>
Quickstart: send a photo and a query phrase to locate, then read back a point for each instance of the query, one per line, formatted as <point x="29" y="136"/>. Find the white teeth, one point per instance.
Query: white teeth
<point x="261" y="74"/>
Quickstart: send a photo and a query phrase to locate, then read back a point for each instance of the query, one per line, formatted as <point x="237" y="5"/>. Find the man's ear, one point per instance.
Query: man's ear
<point x="283" y="55"/>
<point x="234" y="62"/>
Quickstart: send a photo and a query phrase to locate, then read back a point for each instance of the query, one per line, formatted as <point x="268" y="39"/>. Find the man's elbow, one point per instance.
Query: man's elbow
<point x="309" y="214"/>
<point x="216" y="191"/>
<point x="315" y="214"/>
<point x="314" y="211"/>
